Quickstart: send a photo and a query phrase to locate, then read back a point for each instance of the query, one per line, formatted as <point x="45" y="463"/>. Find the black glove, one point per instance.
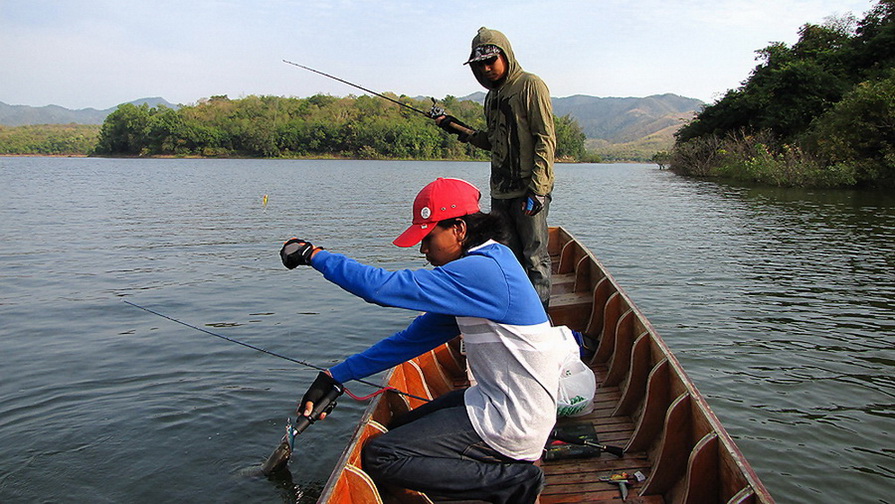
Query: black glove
<point x="533" y="204"/>
<point x="323" y="393"/>
<point x="447" y="122"/>
<point x="296" y="252"/>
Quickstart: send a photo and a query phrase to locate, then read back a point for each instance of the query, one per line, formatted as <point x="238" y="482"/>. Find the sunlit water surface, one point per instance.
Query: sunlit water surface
<point x="779" y="304"/>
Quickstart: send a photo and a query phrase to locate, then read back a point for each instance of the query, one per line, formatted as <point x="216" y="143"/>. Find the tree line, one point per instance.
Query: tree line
<point x="818" y="113"/>
<point x="361" y="127"/>
<point x="49" y="139"/>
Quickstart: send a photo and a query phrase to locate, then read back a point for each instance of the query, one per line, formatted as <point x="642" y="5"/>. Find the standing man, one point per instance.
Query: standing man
<point x="522" y="141"/>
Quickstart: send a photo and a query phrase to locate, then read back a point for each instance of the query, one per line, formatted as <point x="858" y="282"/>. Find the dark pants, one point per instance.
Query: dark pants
<point x="528" y="240"/>
<point x="435" y="450"/>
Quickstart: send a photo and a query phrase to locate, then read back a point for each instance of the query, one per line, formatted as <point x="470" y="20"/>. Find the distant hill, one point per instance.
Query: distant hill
<point x="621" y="120"/>
<point x="624" y="128"/>
<point x="22" y="115"/>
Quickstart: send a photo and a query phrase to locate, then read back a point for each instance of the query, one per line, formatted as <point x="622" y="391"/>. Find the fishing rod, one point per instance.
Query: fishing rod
<point x="432" y="113"/>
<point x="281" y="356"/>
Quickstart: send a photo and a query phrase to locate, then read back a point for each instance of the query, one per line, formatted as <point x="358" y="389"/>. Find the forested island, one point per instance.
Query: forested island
<point x="354" y="127"/>
<point x="819" y="113"/>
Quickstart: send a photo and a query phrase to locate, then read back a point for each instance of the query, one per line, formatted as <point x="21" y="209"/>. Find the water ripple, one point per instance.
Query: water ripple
<point x="779" y="304"/>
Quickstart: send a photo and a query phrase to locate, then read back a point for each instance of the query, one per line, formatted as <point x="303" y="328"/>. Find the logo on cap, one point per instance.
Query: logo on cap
<point x="443" y="199"/>
<point x="483" y="52"/>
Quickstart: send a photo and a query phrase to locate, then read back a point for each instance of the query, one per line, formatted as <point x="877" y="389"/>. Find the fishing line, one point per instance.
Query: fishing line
<point x="281" y="356"/>
<point x="433" y="113"/>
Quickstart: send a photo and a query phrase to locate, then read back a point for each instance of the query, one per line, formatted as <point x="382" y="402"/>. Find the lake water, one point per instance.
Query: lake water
<point x="780" y="304"/>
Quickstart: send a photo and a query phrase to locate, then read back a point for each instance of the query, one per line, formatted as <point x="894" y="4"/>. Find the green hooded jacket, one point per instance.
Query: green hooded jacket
<point x="520" y="132"/>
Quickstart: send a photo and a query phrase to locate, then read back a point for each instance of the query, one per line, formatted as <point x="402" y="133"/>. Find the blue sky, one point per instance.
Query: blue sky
<point x="99" y="53"/>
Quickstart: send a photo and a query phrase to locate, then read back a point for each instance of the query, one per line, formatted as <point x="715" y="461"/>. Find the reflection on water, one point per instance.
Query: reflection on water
<point x="779" y="304"/>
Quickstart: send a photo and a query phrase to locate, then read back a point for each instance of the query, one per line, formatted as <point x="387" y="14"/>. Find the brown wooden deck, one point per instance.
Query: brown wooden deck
<point x="576" y="480"/>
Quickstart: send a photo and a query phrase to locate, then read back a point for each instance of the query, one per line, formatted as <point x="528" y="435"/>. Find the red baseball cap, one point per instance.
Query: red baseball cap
<point x="443" y="199"/>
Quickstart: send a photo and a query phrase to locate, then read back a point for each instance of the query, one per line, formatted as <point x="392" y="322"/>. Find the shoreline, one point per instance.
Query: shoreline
<point x="335" y="158"/>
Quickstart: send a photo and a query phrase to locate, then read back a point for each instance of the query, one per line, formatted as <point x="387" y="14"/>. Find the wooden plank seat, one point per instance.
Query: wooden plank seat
<point x="562" y="283"/>
<point x="571" y="309"/>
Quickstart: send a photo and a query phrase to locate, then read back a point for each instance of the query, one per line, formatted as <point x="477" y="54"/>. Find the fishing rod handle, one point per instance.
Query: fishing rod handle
<point x="324" y="405"/>
<point x="615" y="450"/>
<point x="462" y="129"/>
<point x="454" y="126"/>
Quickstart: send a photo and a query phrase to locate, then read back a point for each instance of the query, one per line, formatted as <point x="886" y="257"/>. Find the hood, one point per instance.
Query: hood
<point x="487" y="36"/>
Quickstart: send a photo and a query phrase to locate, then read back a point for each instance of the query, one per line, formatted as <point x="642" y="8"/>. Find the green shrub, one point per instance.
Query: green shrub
<point x="859" y="132"/>
<point x="756" y="158"/>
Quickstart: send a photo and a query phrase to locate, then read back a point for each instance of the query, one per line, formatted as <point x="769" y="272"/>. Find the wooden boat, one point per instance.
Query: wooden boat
<point x="645" y="403"/>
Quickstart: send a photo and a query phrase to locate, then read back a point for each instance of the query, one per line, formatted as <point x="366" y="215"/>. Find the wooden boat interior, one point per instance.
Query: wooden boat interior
<point x="645" y="404"/>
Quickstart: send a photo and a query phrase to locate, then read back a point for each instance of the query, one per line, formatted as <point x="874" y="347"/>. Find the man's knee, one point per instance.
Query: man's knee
<point x="536" y="484"/>
<point x="529" y="483"/>
<point x="376" y="457"/>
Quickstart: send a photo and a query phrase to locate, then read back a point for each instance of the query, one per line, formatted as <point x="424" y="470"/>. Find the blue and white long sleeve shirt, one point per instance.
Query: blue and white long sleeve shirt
<point x="513" y="353"/>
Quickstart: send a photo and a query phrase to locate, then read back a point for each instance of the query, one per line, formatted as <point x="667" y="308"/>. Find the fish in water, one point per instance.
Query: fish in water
<point x="280" y="456"/>
<point x="278" y="459"/>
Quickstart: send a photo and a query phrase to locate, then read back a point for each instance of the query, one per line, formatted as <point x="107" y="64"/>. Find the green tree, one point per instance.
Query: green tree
<point x="569" y="138"/>
<point x="822" y="106"/>
<point x="125" y="130"/>
<point x="165" y="132"/>
<point x="791" y="87"/>
<point x="859" y="133"/>
<point x="872" y="51"/>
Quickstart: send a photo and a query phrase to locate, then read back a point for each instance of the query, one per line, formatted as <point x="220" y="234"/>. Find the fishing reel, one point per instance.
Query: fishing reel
<point x="436" y="111"/>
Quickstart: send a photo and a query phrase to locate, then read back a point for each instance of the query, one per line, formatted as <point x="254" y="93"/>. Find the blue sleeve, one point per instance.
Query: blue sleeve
<point x="472" y="286"/>
<point x="423" y="334"/>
